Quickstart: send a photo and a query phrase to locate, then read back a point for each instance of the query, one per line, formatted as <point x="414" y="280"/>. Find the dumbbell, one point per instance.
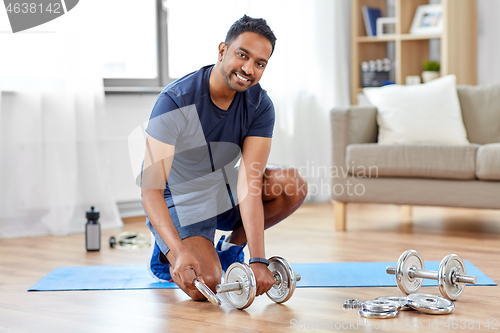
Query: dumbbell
<point x="240" y="286"/>
<point x="451" y="275"/>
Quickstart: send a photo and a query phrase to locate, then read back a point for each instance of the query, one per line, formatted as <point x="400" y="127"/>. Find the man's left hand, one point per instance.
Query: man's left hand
<point x="263" y="277"/>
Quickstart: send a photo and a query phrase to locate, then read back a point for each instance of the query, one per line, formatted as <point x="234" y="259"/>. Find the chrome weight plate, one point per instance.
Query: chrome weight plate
<point x="408" y="261"/>
<point x="431" y="304"/>
<point x="282" y="290"/>
<point x="402" y="301"/>
<point x="379" y="306"/>
<point x="378" y="315"/>
<point x="241" y="272"/>
<point x="450" y="265"/>
<point x="209" y="294"/>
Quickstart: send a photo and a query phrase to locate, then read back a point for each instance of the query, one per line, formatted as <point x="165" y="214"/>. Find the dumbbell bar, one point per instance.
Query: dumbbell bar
<point x="451" y="275"/>
<point x="433" y="275"/>
<point x="241" y="286"/>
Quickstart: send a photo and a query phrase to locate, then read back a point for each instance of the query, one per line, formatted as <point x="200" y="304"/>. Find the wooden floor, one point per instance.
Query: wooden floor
<point x="375" y="233"/>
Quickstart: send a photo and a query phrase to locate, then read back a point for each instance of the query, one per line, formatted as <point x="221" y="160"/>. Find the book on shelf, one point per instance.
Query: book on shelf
<point x="370" y="16"/>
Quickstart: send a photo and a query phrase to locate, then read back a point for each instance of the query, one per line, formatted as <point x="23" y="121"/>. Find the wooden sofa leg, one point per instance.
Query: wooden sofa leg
<point x="406" y="213"/>
<point x="339" y="209"/>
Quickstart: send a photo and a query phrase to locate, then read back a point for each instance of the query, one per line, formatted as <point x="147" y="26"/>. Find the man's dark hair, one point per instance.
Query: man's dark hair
<point x="247" y="23"/>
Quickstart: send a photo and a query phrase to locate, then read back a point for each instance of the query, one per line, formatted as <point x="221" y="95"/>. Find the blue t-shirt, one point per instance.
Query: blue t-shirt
<point x="206" y="138"/>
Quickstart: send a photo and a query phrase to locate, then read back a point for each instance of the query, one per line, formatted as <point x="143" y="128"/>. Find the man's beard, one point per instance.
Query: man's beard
<point x="232" y="85"/>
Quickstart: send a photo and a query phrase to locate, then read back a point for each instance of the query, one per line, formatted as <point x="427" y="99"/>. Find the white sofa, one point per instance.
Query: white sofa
<point x="420" y="174"/>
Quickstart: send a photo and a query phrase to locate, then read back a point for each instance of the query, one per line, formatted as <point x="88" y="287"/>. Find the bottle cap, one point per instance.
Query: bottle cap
<point x="92" y="215"/>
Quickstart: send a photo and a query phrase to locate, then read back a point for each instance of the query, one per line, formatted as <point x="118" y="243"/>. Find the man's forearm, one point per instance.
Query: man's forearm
<point x="252" y="216"/>
<point x="159" y="215"/>
<point x="254" y="156"/>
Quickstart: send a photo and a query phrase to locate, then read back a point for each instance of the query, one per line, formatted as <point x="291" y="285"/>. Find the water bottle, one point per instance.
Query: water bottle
<point x="93" y="231"/>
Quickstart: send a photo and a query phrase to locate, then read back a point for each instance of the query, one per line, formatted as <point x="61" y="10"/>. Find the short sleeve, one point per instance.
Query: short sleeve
<point x="166" y="121"/>
<point x="263" y="122"/>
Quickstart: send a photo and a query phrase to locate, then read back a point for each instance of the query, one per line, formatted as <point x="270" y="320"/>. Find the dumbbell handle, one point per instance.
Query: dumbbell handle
<point x="277" y="278"/>
<point x="433" y="275"/>
<point x="234" y="286"/>
<point x="227" y="287"/>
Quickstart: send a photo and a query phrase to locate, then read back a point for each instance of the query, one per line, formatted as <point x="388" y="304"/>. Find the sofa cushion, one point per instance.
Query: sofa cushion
<point x="425" y="161"/>
<point x="481" y="112"/>
<point x="488" y="162"/>
<point x="424" y="113"/>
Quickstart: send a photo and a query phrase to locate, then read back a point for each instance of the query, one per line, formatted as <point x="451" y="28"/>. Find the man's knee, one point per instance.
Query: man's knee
<point x="211" y="280"/>
<point x="196" y="295"/>
<point x="293" y="185"/>
<point x="301" y="185"/>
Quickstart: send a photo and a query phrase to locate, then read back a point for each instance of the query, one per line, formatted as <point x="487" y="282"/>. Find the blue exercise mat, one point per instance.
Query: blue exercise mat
<point x="367" y="274"/>
<point x="353" y="274"/>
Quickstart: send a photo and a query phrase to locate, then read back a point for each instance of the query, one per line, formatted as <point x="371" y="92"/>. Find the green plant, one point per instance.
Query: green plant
<point x="431" y="66"/>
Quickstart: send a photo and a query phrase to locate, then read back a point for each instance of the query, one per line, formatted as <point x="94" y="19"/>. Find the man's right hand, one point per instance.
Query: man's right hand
<point x="186" y="269"/>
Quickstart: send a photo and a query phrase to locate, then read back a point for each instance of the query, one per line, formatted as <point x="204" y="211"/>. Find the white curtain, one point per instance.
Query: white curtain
<point x="307" y="75"/>
<point x="52" y="99"/>
<point x="488" y="45"/>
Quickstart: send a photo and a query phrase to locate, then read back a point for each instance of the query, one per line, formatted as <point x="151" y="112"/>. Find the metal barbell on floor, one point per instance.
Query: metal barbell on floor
<point x="451" y="275"/>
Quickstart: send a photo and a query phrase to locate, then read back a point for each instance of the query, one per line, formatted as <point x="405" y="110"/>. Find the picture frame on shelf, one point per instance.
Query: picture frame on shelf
<point x="428" y="20"/>
<point x="386" y="26"/>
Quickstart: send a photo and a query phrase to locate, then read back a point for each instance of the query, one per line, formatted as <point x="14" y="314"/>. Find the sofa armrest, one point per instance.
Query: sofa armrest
<point x="354" y="124"/>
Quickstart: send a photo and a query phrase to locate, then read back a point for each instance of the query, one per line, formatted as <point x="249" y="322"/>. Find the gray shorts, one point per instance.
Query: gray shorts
<point x="200" y="211"/>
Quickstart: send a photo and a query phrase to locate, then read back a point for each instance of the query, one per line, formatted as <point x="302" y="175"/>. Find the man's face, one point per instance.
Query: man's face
<point x="244" y="60"/>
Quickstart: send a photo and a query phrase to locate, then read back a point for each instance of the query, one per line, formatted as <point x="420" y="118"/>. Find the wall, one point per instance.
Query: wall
<point x="124" y="113"/>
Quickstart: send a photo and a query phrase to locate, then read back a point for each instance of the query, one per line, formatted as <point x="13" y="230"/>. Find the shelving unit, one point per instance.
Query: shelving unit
<point x="458" y="41"/>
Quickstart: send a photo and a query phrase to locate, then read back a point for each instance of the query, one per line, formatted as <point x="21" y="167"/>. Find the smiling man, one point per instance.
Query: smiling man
<point x="199" y="128"/>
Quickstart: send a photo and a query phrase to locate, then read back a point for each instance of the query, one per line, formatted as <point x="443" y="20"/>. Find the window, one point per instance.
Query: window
<point x="133" y="45"/>
<point x="195" y="29"/>
<point x="140" y="53"/>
